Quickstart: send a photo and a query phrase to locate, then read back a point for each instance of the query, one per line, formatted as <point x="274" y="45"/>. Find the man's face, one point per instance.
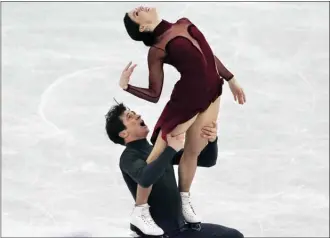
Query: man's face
<point x="135" y="126"/>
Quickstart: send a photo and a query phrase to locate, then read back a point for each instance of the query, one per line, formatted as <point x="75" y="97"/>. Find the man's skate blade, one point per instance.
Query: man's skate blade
<point x="138" y="233"/>
<point x="133" y="234"/>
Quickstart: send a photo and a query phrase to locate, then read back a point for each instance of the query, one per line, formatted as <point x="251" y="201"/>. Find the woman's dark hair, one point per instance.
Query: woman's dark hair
<point x="114" y="125"/>
<point x="132" y="28"/>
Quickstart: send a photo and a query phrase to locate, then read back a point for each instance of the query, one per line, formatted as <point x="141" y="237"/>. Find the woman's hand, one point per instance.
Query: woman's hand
<point x="237" y="91"/>
<point x="210" y="132"/>
<point x="125" y="75"/>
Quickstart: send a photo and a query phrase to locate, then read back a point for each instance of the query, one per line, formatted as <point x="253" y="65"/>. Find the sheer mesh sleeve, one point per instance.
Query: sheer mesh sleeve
<point x="156" y="77"/>
<point x="222" y="70"/>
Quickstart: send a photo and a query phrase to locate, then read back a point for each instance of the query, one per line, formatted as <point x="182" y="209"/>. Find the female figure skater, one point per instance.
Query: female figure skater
<point x="194" y="101"/>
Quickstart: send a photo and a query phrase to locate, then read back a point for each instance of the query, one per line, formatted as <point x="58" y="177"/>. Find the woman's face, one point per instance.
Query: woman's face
<point x="144" y="15"/>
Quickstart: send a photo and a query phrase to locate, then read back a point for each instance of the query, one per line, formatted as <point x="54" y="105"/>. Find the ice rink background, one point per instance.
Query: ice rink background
<point x="60" y="68"/>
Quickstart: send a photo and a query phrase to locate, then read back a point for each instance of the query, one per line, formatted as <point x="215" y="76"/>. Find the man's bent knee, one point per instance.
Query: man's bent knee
<point x="233" y="233"/>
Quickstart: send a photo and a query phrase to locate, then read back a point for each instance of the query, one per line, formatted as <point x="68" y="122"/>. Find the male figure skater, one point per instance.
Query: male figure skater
<point x="127" y="128"/>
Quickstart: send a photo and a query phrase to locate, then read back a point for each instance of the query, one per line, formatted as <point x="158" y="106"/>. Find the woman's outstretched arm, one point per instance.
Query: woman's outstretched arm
<point x="222" y="70"/>
<point x="156" y="78"/>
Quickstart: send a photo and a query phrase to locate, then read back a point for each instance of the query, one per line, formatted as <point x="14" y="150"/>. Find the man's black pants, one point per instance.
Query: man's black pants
<point x="206" y="231"/>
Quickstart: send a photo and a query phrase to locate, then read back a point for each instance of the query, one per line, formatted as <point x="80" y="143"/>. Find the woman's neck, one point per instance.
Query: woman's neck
<point x="155" y="24"/>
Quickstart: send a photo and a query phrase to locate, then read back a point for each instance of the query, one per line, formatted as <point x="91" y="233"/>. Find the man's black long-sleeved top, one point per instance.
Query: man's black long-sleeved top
<point x="164" y="200"/>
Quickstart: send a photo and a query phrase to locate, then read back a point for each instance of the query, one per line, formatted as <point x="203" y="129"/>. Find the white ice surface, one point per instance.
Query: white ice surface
<point x="60" y="67"/>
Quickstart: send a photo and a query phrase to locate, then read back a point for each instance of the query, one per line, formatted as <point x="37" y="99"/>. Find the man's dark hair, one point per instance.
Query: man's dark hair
<point x="114" y="124"/>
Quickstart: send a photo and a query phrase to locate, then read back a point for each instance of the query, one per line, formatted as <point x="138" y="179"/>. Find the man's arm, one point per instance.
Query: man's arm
<point x="142" y="173"/>
<point x="207" y="158"/>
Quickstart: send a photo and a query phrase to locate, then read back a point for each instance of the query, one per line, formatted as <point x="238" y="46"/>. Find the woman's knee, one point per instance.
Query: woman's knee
<point x="190" y="154"/>
<point x="194" y="149"/>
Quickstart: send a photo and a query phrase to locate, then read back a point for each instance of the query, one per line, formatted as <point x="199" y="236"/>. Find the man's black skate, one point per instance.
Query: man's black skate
<point x="195" y="226"/>
<point x="139" y="233"/>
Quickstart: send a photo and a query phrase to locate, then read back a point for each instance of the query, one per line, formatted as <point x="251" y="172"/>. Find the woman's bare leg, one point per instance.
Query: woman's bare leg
<point x="160" y="144"/>
<point x="142" y="194"/>
<point x="194" y="145"/>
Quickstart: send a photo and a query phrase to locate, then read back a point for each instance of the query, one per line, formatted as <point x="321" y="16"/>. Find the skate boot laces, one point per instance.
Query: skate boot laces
<point x="146" y="217"/>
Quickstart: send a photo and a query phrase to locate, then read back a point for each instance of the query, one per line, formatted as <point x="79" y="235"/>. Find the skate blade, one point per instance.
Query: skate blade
<point x="139" y="233"/>
<point x="134" y="234"/>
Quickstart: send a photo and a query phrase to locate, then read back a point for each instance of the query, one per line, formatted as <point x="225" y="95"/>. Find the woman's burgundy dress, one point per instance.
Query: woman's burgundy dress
<point x="184" y="47"/>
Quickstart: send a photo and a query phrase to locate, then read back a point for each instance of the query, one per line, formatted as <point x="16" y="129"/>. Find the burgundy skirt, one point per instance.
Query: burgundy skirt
<point x="186" y="101"/>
